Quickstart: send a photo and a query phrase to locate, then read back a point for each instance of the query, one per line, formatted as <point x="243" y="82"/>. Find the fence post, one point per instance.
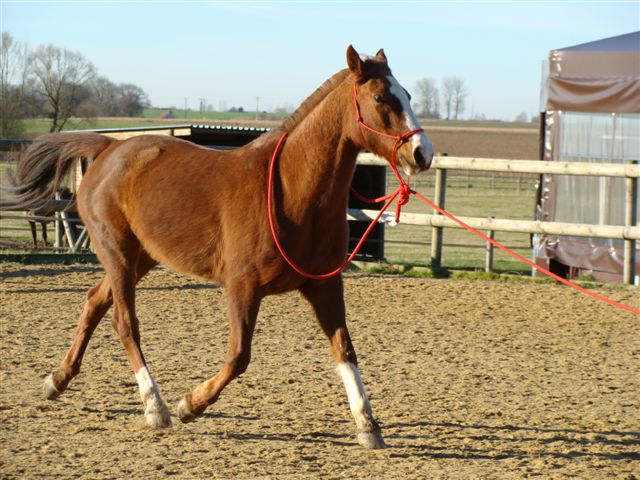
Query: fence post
<point x="59" y="242"/>
<point x="488" y="259"/>
<point x="436" y="232"/>
<point x="69" y="229"/>
<point x="630" y="220"/>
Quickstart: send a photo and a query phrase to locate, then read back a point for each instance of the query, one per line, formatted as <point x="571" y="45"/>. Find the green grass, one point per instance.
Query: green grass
<point x="405" y="244"/>
<point x="193" y="115"/>
<point x="41" y="125"/>
<point x="411" y="245"/>
<point x="499" y="198"/>
<point x="150" y="117"/>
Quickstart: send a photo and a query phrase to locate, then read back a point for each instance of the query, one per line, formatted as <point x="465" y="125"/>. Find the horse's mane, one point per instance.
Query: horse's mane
<point x="313" y="100"/>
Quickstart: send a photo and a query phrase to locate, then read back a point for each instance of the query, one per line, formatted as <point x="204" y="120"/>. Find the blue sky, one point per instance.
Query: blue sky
<point x="232" y="52"/>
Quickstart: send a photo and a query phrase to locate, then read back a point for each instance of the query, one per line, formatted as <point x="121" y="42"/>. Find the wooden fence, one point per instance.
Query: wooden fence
<point x="630" y="232"/>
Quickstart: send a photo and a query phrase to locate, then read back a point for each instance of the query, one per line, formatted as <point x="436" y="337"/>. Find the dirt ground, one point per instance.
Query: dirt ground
<point x="468" y="380"/>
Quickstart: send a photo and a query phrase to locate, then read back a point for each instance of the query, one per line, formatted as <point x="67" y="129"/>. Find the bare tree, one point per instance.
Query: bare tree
<point x="427" y="98"/>
<point x="123" y="100"/>
<point x="13" y="85"/>
<point x="454" y="94"/>
<point x="459" y="99"/>
<point x="132" y="100"/>
<point x="106" y="95"/>
<point x="522" y="117"/>
<point x="61" y="77"/>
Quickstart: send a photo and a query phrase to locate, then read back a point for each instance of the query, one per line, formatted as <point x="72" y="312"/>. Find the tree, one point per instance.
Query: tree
<point x="131" y="100"/>
<point x="13" y="85"/>
<point x="124" y="100"/>
<point x="522" y="117"/>
<point x="454" y="94"/>
<point x="427" y="98"/>
<point x="106" y="95"/>
<point x="62" y="78"/>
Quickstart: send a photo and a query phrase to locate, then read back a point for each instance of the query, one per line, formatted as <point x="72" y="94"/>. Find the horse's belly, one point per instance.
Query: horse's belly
<point x="184" y="243"/>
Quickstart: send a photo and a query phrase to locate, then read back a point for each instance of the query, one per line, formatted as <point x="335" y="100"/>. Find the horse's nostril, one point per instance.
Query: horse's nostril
<point x="419" y="158"/>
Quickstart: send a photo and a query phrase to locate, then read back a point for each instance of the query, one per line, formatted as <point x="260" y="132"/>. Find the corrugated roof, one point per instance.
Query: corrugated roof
<point x="228" y="128"/>
<point x="202" y="126"/>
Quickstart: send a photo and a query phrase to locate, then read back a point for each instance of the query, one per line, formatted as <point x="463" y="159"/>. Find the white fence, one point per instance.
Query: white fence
<point x="630" y="232"/>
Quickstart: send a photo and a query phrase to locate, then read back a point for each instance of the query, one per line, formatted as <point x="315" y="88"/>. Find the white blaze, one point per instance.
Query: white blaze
<point x="419" y="140"/>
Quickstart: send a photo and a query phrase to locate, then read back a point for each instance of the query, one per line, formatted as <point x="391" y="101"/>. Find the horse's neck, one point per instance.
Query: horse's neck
<point x="318" y="158"/>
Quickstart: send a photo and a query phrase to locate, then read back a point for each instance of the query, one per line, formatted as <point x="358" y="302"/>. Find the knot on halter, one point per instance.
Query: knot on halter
<point x="404" y="193"/>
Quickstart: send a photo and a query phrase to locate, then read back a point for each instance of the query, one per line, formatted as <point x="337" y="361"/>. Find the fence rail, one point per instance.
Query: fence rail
<point x="521" y="166"/>
<point x="501" y="225"/>
<point x="629" y="232"/>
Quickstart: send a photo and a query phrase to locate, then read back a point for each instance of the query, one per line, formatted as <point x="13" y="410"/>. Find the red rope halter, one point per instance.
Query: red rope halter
<point x="403" y="192"/>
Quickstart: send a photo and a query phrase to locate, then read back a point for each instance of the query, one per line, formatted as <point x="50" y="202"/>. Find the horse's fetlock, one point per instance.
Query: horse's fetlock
<point x="49" y="388"/>
<point x="186" y="411"/>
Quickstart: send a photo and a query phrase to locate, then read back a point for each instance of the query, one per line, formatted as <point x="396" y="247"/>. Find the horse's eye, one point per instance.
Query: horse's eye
<point x="378" y="98"/>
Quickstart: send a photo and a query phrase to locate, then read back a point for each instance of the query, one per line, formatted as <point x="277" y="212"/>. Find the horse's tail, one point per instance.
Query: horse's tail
<point x="43" y="165"/>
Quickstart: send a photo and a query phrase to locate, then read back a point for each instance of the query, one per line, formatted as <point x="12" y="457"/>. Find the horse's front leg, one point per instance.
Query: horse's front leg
<point x="327" y="300"/>
<point x="243" y="305"/>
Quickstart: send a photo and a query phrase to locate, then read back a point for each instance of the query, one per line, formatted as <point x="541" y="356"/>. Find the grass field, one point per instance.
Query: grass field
<point x="152" y="117"/>
<point x="408" y="244"/>
<point x="444" y="133"/>
<point x="473" y="197"/>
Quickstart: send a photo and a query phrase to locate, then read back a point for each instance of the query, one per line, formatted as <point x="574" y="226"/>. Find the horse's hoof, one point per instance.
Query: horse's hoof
<point x="49" y="388"/>
<point x="158" y="416"/>
<point x="372" y="440"/>
<point x="185" y="413"/>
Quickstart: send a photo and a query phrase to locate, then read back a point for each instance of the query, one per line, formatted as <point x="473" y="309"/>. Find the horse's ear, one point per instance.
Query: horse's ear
<point x="381" y="56"/>
<point x="354" y="61"/>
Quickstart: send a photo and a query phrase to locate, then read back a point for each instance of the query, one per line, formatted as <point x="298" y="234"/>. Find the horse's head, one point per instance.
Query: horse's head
<point x="383" y="111"/>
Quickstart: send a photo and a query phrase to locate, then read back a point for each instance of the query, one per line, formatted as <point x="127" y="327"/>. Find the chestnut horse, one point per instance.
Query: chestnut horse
<point x="156" y="199"/>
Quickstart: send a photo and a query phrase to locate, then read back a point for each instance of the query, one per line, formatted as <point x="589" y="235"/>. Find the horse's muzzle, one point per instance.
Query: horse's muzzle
<point x="422" y="158"/>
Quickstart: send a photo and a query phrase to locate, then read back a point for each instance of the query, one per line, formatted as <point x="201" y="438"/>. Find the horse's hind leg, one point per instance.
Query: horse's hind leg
<point x="243" y="306"/>
<point x="123" y="278"/>
<point x="98" y="302"/>
<point x="327" y="300"/>
<point x="95" y="307"/>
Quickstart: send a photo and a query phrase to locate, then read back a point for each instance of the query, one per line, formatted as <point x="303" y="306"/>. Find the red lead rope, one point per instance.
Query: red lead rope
<point x="403" y="192"/>
<point x="525" y="260"/>
<point x="390" y="198"/>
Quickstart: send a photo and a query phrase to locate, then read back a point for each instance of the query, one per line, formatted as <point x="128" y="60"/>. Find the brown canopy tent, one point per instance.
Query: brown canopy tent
<point x="590" y="107"/>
